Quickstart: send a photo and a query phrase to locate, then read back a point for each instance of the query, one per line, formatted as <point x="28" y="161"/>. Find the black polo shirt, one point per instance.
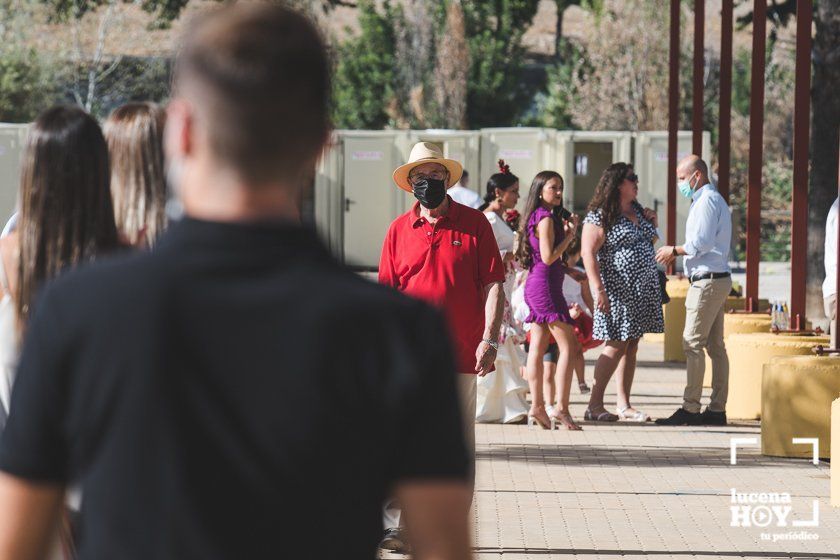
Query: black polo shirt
<point x="234" y="394"/>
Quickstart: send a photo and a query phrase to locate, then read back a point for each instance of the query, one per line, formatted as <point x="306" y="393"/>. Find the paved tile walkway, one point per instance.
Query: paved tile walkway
<point x="633" y="491"/>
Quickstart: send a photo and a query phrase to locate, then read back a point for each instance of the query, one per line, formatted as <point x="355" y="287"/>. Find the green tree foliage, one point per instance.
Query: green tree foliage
<point x="165" y="11"/>
<point x="380" y="81"/>
<point x="618" y="78"/>
<point x="494" y="29"/>
<point x="25" y="87"/>
<point x="364" y="71"/>
<point x="135" y="79"/>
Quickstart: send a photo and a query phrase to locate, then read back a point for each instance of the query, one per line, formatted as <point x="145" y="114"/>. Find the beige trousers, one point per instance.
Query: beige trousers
<point x="830" y="311"/>
<point x="392" y="513"/>
<point x="704" y="311"/>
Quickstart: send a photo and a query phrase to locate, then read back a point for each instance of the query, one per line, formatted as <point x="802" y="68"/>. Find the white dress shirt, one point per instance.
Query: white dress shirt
<point x="830" y="283"/>
<point x="463" y="195"/>
<point x="708" y="233"/>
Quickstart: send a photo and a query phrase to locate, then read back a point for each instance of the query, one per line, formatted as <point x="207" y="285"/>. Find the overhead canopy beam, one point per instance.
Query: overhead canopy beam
<point x="801" y="140"/>
<point x="725" y="117"/>
<point x="699" y="71"/>
<point x="673" y="123"/>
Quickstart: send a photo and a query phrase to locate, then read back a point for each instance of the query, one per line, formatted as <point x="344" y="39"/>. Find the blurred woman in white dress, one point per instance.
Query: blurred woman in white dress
<point x="501" y="394"/>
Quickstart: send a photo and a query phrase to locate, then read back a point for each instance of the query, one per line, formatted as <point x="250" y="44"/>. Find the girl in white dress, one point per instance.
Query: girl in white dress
<point x="501" y="394"/>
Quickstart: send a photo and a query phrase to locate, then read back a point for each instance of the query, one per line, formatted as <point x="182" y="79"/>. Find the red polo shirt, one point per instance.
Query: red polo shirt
<point x="447" y="264"/>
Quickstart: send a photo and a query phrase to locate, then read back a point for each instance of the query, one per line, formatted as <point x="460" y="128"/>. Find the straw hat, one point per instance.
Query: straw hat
<point x="426" y="152"/>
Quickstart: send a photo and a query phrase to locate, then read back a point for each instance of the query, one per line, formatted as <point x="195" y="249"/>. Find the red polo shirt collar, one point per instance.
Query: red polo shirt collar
<point x="451" y="215"/>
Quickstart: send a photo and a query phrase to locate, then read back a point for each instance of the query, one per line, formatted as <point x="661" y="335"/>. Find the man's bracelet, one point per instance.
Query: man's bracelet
<point x="492" y="344"/>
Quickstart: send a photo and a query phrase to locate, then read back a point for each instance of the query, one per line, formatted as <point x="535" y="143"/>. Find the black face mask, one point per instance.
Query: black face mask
<point x="430" y="192"/>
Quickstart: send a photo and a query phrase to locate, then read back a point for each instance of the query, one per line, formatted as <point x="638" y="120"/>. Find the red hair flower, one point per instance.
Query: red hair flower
<point x="512" y="219"/>
<point x="503" y="167"/>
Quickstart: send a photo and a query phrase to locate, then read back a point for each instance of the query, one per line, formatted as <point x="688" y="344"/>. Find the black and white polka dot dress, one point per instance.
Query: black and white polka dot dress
<point x="628" y="271"/>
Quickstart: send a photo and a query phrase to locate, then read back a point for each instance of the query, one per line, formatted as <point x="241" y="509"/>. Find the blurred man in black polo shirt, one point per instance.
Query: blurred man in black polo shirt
<point x="191" y="392"/>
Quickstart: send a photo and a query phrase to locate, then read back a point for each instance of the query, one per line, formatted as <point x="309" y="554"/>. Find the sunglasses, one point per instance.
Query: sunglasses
<point x="632" y="177"/>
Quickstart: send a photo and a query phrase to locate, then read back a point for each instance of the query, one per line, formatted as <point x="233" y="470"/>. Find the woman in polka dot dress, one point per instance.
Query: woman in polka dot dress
<point x="618" y="238"/>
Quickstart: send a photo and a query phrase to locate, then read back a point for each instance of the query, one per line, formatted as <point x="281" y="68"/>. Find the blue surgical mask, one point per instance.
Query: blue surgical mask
<point x="685" y="188"/>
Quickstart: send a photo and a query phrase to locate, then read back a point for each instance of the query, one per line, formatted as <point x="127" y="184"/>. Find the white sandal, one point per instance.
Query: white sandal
<point x="637" y="416"/>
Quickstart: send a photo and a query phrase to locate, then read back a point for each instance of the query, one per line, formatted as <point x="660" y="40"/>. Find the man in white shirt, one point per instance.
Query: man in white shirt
<point x="462" y="194"/>
<point x="708" y="236"/>
<point x="830" y="282"/>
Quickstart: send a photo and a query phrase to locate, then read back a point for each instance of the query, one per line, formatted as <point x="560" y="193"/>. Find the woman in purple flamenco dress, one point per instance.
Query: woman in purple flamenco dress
<point x="542" y="241"/>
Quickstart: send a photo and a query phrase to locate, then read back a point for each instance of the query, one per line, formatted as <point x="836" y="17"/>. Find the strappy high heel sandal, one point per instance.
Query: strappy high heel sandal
<point x="566" y="419"/>
<point x="541" y="420"/>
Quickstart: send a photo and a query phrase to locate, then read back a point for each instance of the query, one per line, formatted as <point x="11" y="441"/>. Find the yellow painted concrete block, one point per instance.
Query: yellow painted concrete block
<point x="677" y="287"/>
<point x="736" y="323"/>
<point x="796" y="397"/>
<point x="674" y="314"/>
<point x="748" y="353"/>
<point x="737" y="304"/>
<point x="835" y="456"/>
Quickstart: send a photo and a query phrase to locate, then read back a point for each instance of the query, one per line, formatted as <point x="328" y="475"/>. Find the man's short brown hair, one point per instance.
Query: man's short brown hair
<point x="258" y="75"/>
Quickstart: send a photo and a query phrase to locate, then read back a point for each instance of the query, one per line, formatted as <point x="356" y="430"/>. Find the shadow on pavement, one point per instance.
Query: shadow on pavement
<point x="638" y="456"/>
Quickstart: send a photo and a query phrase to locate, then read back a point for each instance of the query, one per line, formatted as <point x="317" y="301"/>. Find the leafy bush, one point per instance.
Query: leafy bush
<point x="363" y="84"/>
<point x="25" y="84"/>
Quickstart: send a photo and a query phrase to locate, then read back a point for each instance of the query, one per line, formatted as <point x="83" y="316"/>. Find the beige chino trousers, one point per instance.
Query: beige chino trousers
<point x="704" y="311"/>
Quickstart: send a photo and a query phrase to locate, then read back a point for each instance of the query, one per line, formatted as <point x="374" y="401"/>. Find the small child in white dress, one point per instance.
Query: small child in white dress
<point x="578" y="296"/>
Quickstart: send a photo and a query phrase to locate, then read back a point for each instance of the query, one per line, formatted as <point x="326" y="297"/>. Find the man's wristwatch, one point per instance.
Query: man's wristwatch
<point x="492" y="344"/>
<point x="674" y="251"/>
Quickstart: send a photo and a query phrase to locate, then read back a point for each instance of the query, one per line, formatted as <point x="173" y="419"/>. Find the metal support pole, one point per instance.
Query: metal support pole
<point x="725" y="117"/>
<point x="699" y="70"/>
<point x="673" y="123"/>
<point x="756" y="157"/>
<point x="801" y="139"/>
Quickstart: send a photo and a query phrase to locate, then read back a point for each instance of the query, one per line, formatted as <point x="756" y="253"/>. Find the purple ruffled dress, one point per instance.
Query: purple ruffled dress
<point x="544" y="285"/>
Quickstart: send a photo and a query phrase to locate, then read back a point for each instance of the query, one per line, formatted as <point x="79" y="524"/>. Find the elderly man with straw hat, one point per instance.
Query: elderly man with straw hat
<point x="446" y="254"/>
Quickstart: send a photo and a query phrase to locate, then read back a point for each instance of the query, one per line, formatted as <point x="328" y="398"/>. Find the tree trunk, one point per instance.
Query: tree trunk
<point x="453" y="68"/>
<point x="825" y="144"/>
<point x="558" y="31"/>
